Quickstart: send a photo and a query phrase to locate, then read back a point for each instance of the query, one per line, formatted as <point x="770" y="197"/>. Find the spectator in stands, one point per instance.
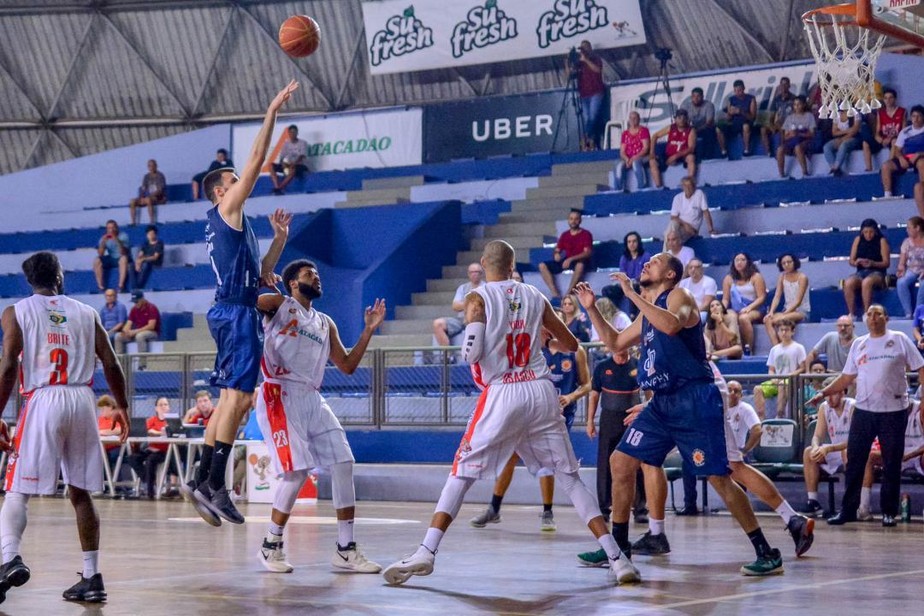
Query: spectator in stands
<point x="143" y="324"/>
<point x="917" y="327"/>
<point x="786" y="358"/>
<point x="575" y="319"/>
<point x="146" y="461"/>
<point x="633" y="257"/>
<point x="221" y="162"/>
<point x="612" y="314"/>
<point x="680" y="148"/>
<point x="871" y="256"/>
<point x="572" y="251"/>
<point x="912" y="458"/>
<point x="812" y="386"/>
<point x="744" y="292"/>
<point x="293" y="161"/>
<point x="723" y="340"/>
<point x="888" y="122"/>
<point x="834" y="345"/>
<point x="588" y="71"/>
<point x="702" y="287"/>
<point x="779" y="109"/>
<point x="112" y="314"/>
<point x="911" y="267"/>
<point x="798" y="137"/>
<point x="702" y="119"/>
<point x="516" y="276"/>
<point x="634" y="146"/>
<point x="202" y="411"/>
<point x="112" y="252"/>
<point x="150" y="255"/>
<point x="446" y="328"/>
<point x="740" y="114"/>
<point x="109" y="427"/>
<point x="845" y="138"/>
<point x="828" y="452"/>
<point x="688" y="210"/>
<point x="151" y="193"/>
<point x="675" y="247"/>
<point x="907" y="153"/>
<point x="792" y="291"/>
<point x="743" y="420"/>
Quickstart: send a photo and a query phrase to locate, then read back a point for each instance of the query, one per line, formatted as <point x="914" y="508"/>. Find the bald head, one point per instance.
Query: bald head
<point x="498" y="260"/>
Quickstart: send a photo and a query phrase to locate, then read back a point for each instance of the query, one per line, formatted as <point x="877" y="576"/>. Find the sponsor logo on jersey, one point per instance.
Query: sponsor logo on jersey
<point x="514" y="305"/>
<point x="566" y="365"/>
<point x="699" y="457"/>
<point x="57" y="318"/>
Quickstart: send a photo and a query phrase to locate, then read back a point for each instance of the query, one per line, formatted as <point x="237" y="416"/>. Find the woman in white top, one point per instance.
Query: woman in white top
<point x="911" y="267"/>
<point x="744" y="293"/>
<point x="792" y="290"/>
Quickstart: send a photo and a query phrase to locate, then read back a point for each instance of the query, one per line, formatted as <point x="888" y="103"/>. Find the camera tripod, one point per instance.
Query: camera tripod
<point x="664" y="81"/>
<point x="572" y="98"/>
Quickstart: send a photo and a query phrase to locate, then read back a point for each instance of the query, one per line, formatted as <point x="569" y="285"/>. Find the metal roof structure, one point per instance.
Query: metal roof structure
<point x="82" y="76"/>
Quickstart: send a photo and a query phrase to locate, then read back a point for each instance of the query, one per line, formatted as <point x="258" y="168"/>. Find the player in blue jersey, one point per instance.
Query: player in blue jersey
<point x="687" y="409"/>
<point x="234" y="321"/>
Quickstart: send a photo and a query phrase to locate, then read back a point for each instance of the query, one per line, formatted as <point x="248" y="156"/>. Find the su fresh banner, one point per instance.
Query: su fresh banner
<point x="497" y="126"/>
<point x="389" y="138"/>
<point x="414" y="35"/>
<point x="655" y="110"/>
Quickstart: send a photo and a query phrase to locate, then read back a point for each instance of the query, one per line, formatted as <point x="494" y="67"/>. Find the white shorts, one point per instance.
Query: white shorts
<point x="913" y="464"/>
<point x="731" y="446"/>
<point x="57" y="432"/>
<point x="299" y="428"/>
<point x="833" y="464"/>
<point x="519" y="417"/>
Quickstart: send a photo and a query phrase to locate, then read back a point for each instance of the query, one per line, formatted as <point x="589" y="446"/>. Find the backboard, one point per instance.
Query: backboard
<point x="901" y="19"/>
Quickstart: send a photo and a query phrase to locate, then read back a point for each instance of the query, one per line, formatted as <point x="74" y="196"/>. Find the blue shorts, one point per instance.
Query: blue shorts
<point x="692" y="419"/>
<point x="238" y="336"/>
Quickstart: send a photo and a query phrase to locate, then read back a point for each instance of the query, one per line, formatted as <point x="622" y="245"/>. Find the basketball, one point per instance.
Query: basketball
<point x="299" y="36"/>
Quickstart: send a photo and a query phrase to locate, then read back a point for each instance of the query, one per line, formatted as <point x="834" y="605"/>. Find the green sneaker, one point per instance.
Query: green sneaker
<point x="597" y="558"/>
<point x="768" y="564"/>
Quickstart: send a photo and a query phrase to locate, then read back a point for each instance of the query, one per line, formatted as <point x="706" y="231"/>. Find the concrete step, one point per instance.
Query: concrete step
<point x="381" y="196"/>
<point x="380" y="341"/>
<point x="395" y="182"/>
<point x="464" y="257"/>
<point x="596" y="177"/>
<point x="544" y="216"/>
<point x="429" y="312"/>
<point x="575" y="190"/>
<point x="526" y="207"/>
<point x="576" y="201"/>
<point x="504" y="230"/>
<point x="433" y="298"/>
<point x="412" y="326"/>
<point x="598" y="166"/>
<point x="448" y="283"/>
<point x="518" y="242"/>
<point x="455" y="271"/>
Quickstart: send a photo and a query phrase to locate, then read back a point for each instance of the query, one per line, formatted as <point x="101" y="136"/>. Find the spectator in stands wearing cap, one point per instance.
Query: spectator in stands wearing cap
<point x="221" y="161"/>
<point x="740" y="113"/>
<point x="744" y="292"/>
<point x="834" y="345"/>
<point x="151" y="193"/>
<point x="112" y="252"/>
<point x="112" y="314"/>
<point x="888" y="121"/>
<point x="791" y="300"/>
<point x="202" y="411"/>
<point x="143" y="324"/>
<point x="702" y="118"/>
<point x="680" y="148"/>
<point x="911" y="267"/>
<point x="293" y="161"/>
<point x="573" y="251"/>
<point x="798" y="136"/>
<point x="870" y="254"/>
<point x="635" y="143"/>
<point x="689" y="209"/>
<point x="702" y="287"/>
<point x="779" y="109"/>
<point x="150" y="255"/>
<point x="907" y="153"/>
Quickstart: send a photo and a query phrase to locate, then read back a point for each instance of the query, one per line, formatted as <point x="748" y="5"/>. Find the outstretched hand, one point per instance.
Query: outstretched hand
<point x="270" y="280"/>
<point x="375" y="314"/>
<point x="283" y="95"/>
<point x="624" y="281"/>
<point x="585" y="294"/>
<point x="279" y="221"/>
<point x="121" y="419"/>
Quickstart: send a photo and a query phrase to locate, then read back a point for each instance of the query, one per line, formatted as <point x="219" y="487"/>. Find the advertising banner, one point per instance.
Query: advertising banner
<point x="498" y="126"/>
<point x="406" y="35"/>
<point x="387" y="138"/>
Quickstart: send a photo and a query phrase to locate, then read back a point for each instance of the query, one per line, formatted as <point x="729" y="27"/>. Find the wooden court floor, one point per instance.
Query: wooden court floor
<point x="158" y="558"/>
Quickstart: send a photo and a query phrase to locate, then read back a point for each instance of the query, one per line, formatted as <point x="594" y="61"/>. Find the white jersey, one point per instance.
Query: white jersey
<point x="296" y="344"/>
<point x="513" y="334"/>
<point x="914" y="434"/>
<point x="838" y="426"/>
<point x="58" y="341"/>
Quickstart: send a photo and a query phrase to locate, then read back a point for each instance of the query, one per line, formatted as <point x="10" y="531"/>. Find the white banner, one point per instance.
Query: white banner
<point x="414" y="35"/>
<point x="389" y="138"/>
<point x="654" y="108"/>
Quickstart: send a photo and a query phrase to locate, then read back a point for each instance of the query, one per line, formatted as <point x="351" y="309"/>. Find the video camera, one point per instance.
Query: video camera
<point x="664" y="54"/>
<point x="574" y="57"/>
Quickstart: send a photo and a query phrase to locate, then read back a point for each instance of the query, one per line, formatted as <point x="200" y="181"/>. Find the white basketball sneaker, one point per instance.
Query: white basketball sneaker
<point x="273" y="558"/>
<point x="352" y="559"/>
<point x="622" y="571"/>
<point x="418" y="563"/>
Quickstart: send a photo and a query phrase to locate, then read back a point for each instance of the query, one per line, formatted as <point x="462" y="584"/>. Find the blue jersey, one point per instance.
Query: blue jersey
<point x="563" y="372"/>
<point x="235" y="259"/>
<point x="671" y="362"/>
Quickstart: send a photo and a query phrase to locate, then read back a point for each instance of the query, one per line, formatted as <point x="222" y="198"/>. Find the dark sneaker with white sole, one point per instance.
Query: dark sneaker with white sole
<point x="770" y="563"/>
<point x="14" y="573"/>
<point x="88" y="590"/>
<point x="201" y="498"/>
<point x="221" y="504"/>
<point x="801" y="529"/>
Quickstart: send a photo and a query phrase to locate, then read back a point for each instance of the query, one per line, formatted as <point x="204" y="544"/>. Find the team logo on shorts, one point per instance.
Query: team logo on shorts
<point x="57" y="318"/>
<point x="699" y="457"/>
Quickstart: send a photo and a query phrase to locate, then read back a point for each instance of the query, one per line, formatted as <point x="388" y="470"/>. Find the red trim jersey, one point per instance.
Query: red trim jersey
<point x="296" y="344"/>
<point x="678" y="140"/>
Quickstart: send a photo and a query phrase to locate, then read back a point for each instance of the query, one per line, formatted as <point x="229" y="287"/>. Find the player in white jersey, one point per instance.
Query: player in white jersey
<point x="298" y="426"/>
<point x="518" y="410"/>
<point x="828" y="451"/>
<point x="52" y="342"/>
<point x="911" y="459"/>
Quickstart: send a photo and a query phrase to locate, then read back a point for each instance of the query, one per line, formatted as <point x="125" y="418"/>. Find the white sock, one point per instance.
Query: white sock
<point x="275" y="532"/>
<point x="608" y="543"/>
<point x="433" y="538"/>
<point x="344" y="532"/>
<point x="13" y="524"/>
<point x="887" y="193"/>
<point x="655" y="527"/>
<point x="864" y="497"/>
<point x="813" y="496"/>
<point x="90" y="563"/>
<point x="786" y="511"/>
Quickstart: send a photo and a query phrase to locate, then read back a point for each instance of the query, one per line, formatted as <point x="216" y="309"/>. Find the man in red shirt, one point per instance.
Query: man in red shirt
<point x="143" y="324"/>
<point x="202" y="412"/>
<point x="573" y="251"/>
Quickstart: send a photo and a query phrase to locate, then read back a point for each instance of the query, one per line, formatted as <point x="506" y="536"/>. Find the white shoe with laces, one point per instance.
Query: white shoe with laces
<point x="418" y="563"/>
<point x="351" y="558"/>
<point x="273" y="558"/>
<point x="622" y="571"/>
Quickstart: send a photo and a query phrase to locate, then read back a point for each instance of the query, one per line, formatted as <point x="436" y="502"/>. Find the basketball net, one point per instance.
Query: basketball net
<point x="845" y="60"/>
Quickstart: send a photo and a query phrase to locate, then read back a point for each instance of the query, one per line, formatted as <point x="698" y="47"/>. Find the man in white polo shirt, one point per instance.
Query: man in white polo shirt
<point x="688" y="210"/>
<point x="701" y="286"/>
<point x="877" y="362"/>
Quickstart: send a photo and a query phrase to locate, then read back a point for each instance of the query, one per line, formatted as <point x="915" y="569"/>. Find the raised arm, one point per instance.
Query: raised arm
<point x="279" y="220"/>
<point x="616" y="341"/>
<point x="347" y="362"/>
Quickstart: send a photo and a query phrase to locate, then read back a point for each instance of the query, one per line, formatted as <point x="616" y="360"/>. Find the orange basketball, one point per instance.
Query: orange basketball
<point x="299" y="36"/>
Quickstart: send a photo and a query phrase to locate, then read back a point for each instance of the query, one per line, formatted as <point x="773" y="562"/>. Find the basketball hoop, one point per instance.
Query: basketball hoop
<point x="845" y="60"/>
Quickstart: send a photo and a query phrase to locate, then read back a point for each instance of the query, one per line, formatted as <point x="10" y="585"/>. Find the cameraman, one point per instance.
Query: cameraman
<point x="586" y="67"/>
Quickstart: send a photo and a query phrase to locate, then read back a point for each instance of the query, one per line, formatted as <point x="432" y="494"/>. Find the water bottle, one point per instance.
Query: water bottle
<point x="905" y="507"/>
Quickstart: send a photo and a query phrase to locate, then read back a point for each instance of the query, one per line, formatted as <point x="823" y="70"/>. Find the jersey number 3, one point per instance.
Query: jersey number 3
<point x="518" y="349"/>
<point x="58" y="359"/>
